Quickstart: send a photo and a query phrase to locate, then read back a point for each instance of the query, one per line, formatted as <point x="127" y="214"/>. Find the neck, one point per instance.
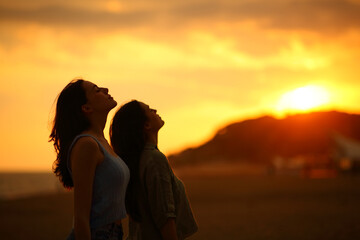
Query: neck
<point x="97" y="126"/>
<point x="153" y="139"/>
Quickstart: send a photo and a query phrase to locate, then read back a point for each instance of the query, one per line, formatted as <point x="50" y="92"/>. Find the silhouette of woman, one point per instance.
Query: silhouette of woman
<point x="86" y="162"/>
<point x="156" y="199"/>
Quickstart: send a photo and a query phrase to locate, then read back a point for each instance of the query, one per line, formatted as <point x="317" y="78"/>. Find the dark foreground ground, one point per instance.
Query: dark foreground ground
<point x="226" y="206"/>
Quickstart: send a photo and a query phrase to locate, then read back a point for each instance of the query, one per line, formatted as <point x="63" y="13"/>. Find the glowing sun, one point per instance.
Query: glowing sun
<point x="303" y="99"/>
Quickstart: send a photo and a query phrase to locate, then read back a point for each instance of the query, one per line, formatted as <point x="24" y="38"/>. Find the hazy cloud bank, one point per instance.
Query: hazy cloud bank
<point x="319" y="16"/>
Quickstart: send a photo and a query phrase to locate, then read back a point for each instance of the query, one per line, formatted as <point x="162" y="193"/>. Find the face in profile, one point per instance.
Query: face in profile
<point x="154" y="121"/>
<point x="98" y="98"/>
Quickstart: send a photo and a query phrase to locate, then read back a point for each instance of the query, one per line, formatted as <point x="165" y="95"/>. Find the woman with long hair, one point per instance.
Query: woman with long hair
<point x="86" y="163"/>
<point x="156" y="199"/>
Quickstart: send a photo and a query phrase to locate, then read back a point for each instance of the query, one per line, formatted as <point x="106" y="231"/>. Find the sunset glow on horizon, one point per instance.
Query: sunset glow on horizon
<point x="201" y="64"/>
<point x="304" y="99"/>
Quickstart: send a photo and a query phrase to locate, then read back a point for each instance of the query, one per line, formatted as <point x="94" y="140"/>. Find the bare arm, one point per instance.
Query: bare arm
<point x="85" y="156"/>
<point x="168" y="231"/>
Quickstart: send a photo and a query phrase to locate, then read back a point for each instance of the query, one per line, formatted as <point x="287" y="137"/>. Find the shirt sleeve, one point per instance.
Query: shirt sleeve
<point x="158" y="182"/>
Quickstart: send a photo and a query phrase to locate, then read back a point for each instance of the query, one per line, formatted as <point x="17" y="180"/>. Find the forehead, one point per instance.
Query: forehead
<point x="88" y="86"/>
<point x="144" y="106"/>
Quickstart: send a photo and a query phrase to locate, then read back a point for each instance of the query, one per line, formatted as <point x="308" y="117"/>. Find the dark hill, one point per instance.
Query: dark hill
<point x="259" y="140"/>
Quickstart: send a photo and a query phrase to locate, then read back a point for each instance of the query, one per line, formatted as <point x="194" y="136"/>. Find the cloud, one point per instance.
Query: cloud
<point x="319" y="15"/>
<point x="74" y="17"/>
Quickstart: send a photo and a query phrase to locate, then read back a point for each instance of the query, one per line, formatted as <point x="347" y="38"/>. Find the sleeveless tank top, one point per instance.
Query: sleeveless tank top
<point x="109" y="187"/>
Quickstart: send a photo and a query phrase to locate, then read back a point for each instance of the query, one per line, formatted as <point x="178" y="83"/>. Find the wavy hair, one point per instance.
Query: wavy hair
<point x="69" y="121"/>
<point x="128" y="140"/>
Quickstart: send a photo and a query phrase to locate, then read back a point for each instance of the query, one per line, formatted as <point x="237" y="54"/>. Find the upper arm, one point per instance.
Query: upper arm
<point x="85" y="156"/>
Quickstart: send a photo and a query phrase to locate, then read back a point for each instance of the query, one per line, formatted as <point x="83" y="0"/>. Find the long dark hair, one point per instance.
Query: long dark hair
<point x="128" y="140"/>
<point x="69" y="121"/>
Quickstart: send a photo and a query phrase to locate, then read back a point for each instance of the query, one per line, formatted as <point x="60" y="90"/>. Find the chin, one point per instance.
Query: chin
<point x="114" y="104"/>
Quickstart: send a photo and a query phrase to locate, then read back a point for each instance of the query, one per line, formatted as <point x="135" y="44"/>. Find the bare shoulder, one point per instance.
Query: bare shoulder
<point x="86" y="141"/>
<point x="87" y="149"/>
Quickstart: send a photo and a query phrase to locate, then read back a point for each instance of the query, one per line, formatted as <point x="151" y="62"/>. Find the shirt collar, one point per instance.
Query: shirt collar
<point x="150" y="146"/>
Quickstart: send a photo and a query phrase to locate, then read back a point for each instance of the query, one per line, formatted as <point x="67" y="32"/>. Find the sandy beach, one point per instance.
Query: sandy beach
<point x="39" y="217"/>
<point x="226" y="206"/>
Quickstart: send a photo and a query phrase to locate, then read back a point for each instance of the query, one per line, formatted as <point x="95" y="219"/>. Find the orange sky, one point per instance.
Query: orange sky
<point x="202" y="64"/>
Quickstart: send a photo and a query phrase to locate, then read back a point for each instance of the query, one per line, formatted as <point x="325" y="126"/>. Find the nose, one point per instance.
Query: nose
<point x="105" y="90"/>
